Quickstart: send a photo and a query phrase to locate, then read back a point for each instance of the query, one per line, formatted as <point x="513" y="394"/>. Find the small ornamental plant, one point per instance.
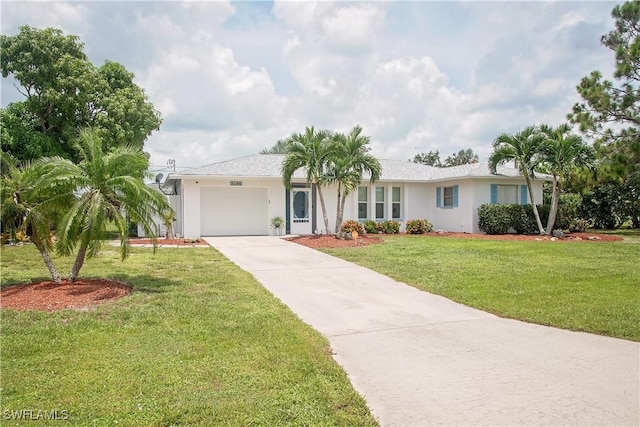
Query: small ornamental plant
<point x="391" y="227"/>
<point x="371" y="227"/>
<point x="418" y="226"/>
<point x="277" y="222"/>
<point x="350" y="226"/>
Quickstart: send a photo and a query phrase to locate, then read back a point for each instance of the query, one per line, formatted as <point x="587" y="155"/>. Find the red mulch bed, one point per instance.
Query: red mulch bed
<point x="326" y="241"/>
<point x="50" y="296"/>
<point x="175" y="242"/>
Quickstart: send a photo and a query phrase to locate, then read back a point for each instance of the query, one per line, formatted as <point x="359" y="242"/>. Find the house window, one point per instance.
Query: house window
<point x="395" y="202"/>
<point x="447" y="197"/>
<point x="507" y="195"/>
<point x="363" y="203"/>
<point x="379" y="202"/>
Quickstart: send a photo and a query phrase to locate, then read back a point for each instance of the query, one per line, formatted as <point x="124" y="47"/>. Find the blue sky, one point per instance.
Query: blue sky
<point x="231" y="78"/>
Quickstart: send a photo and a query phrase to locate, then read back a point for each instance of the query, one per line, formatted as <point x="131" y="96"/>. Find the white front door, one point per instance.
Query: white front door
<point x="301" y="211"/>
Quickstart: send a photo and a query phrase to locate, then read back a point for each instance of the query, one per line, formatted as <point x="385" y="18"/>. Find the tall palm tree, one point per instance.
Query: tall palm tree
<point x="562" y="153"/>
<point x="310" y="150"/>
<point x="348" y="163"/>
<point x="109" y="187"/>
<point x="524" y="148"/>
<point x="28" y="207"/>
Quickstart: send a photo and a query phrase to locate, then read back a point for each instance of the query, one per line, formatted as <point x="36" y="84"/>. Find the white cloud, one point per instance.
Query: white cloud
<point x="231" y="79"/>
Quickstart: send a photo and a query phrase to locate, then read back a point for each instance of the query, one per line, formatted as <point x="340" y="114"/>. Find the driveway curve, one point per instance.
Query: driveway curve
<point x="423" y="360"/>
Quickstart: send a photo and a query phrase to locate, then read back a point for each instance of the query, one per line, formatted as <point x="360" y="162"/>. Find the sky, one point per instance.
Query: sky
<point x="232" y="78"/>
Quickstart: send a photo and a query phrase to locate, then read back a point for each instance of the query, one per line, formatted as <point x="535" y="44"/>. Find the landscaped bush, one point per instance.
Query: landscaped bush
<point x="371" y="227"/>
<point x="391" y="226"/>
<point x="523" y="221"/>
<point x="494" y="219"/>
<point x="350" y="226"/>
<point x="418" y="226"/>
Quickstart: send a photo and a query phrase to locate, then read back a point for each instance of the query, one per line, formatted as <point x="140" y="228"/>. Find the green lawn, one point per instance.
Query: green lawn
<point x="583" y="286"/>
<point x="199" y="342"/>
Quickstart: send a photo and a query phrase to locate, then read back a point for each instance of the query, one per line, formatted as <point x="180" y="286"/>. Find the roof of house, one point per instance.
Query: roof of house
<point x="269" y="166"/>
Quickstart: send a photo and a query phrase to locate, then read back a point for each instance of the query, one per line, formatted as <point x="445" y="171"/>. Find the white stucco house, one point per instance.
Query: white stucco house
<point x="242" y="195"/>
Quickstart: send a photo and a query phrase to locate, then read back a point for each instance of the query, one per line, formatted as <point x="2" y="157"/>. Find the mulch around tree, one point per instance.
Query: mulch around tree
<point x="50" y="296"/>
<point x="86" y="293"/>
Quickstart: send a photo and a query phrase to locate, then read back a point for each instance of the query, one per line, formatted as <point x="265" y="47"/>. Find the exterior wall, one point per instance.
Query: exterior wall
<point x="482" y="193"/>
<point x="191" y="196"/>
<point x="418" y="201"/>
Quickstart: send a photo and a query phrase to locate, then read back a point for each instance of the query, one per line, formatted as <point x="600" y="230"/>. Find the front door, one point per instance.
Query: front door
<point x="301" y="211"/>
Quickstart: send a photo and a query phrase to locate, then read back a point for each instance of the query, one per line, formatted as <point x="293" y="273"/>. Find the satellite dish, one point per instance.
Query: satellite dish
<point x="159" y="178"/>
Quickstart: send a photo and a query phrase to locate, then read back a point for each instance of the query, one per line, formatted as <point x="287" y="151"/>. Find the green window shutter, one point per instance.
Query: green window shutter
<point x="438" y="197"/>
<point x="494" y="193"/>
<point x="455" y="196"/>
<point x="523" y="195"/>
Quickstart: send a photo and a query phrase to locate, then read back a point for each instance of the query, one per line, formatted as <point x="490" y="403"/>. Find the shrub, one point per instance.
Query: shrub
<point x="579" y="225"/>
<point x="371" y="227"/>
<point x="350" y="226"/>
<point x="418" y="226"/>
<point x="494" y="219"/>
<point x="523" y="221"/>
<point x="391" y="227"/>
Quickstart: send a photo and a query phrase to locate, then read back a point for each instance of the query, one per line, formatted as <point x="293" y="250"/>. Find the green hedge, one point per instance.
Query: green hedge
<point x="500" y="219"/>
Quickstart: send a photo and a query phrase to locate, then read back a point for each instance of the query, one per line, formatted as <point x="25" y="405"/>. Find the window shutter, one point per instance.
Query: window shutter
<point x="523" y="195"/>
<point x="494" y="193"/>
<point x="438" y="197"/>
<point x="455" y="196"/>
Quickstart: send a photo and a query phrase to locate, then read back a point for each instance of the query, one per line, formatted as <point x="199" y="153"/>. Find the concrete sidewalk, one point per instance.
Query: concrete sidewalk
<point x="423" y="360"/>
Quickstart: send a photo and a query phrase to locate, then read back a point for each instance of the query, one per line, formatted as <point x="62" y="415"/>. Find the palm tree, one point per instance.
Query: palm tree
<point x="310" y="150"/>
<point x="108" y="188"/>
<point x="524" y="148"/>
<point x="348" y="163"/>
<point x="27" y="207"/>
<point x="562" y="152"/>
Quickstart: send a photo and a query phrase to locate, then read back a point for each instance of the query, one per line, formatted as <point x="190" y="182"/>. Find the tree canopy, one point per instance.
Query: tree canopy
<point x="432" y="158"/>
<point x="610" y="110"/>
<point x="64" y="92"/>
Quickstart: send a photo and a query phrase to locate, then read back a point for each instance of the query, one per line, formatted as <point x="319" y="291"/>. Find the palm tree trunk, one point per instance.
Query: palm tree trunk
<point x="55" y="276"/>
<point x="77" y="265"/>
<point x="555" y="201"/>
<point x="533" y="204"/>
<point x="341" y="210"/>
<point x="324" y="210"/>
<point x="338" y="216"/>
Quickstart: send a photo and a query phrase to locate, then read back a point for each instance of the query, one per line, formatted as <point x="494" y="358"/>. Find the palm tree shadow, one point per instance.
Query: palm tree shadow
<point x="146" y="284"/>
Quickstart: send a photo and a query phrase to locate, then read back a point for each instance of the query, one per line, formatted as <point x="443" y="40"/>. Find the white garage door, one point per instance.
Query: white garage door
<point x="234" y="211"/>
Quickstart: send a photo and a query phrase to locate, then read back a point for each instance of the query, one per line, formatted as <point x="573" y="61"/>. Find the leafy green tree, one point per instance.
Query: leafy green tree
<point x="610" y="111"/>
<point x="280" y="147"/>
<point x="21" y="137"/>
<point x="110" y="189"/>
<point x="524" y="149"/>
<point x="432" y="158"/>
<point x="562" y="152"/>
<point x="64" y="93"/>
<point x="462" y="157"/>
<point x="312" y="151"/>
<point x="346" y="166"/>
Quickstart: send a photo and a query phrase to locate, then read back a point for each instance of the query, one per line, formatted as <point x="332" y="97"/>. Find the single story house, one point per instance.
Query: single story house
<point x="242" y="195"/>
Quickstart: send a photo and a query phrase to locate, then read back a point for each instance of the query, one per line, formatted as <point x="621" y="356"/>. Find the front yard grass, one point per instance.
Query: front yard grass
<point x="582" y="286"/>
<point x="199" y="342"/>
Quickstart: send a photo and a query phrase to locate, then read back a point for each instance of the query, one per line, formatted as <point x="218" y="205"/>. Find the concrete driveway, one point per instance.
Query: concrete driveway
<point x="423" y="360"/>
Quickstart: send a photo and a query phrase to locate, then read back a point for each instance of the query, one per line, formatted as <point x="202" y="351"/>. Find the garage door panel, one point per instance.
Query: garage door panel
<point x="227" y="211"/>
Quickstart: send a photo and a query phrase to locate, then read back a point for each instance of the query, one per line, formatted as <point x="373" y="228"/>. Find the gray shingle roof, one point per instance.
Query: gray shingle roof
<point x="269" y="166"/>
